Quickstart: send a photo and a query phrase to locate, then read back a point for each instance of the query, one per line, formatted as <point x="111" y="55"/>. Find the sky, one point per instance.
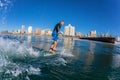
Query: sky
<point x="85" y="15"/>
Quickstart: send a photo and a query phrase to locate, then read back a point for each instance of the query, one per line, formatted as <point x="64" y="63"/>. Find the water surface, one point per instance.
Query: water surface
<point x="77" y="59"/>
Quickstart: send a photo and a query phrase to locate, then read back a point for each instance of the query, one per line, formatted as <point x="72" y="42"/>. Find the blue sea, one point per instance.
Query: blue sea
<point x="21" y="59"/>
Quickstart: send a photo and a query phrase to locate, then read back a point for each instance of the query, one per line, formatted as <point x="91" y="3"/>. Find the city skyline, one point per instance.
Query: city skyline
<point x="69" y="30"/>
<point x="86" y="15"/>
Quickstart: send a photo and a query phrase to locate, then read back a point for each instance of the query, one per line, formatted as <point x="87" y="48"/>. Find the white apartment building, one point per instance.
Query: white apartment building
<point x="69" y="30"/>
<point x="93" y="33"/>
<point x="30" y="30"/>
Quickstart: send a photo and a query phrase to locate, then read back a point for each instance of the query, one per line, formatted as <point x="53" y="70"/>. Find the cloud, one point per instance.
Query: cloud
<point x="5" y="7"/>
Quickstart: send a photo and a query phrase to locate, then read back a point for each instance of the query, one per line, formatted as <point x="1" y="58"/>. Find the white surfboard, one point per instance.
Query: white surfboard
<point x="46" y="53"/>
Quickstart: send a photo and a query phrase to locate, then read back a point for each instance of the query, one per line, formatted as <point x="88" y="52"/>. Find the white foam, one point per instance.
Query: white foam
<point x="33" y="53"/>
<point x="3" y="62"/>
<point x="65" y="54"/>
<point x="59" y="61"/>
<point x="11" y="48"/>
<point x="16" y="72"/>
<point x="15" y="48"/>
<point x="16" y="69"/>
<point x="33" y="70"/>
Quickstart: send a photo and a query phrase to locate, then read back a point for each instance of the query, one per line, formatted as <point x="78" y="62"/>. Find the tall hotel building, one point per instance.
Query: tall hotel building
<point x="38" y="31"/>
<point x="23" y="29"/>
<point x="69" y="30"/>
<point x="30" y="30"/>
<point x="93" y="33"/>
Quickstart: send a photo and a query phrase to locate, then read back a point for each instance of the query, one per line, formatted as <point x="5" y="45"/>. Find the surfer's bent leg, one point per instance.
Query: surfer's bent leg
<point x="55" y="42"/>
<point x="55" y="45"/>
<point x="51" y="48"/>
<point x="54" y="35"/>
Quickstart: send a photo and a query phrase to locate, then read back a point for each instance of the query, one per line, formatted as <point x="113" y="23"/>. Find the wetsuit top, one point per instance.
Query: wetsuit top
<point x="57" y="27"/>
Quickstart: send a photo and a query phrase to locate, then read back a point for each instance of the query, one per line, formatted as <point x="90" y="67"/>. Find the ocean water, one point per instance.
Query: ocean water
<point x="21" y="59"/>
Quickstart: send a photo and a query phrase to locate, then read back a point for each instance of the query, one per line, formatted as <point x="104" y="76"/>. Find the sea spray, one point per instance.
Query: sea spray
<point x="15" y="48"/>
<point x="62" y="52"/>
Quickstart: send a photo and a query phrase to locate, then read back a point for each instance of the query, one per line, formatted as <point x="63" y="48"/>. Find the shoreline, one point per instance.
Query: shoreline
<point x="100" y="39"/>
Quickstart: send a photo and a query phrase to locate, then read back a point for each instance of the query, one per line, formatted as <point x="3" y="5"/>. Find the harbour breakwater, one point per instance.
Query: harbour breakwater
<point x="101" y="39"/>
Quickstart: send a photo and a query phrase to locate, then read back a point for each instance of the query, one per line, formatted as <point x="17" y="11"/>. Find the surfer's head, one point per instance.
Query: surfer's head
<point x="62" y="22"/>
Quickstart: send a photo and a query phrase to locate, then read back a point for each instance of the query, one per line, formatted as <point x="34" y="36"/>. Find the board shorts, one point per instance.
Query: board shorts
<point x="54" y="36"/>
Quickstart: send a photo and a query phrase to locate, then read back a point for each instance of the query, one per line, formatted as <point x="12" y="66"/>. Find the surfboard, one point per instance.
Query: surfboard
<point x="46" y="53"/>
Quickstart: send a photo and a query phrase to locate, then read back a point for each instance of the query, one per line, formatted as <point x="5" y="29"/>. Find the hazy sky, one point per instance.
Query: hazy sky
<point x="86" y="15"/>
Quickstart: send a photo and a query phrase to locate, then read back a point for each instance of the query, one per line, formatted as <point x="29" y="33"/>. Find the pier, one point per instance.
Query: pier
<point x="101" y="39"/>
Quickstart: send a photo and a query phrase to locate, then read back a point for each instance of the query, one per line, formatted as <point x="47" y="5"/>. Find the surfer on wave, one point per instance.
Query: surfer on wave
<point x="55" y="33"/>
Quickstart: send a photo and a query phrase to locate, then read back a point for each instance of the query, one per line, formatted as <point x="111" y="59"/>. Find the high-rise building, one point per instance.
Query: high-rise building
<point x="48" y="32"/>
<point x="42" y="32"/>
<point x="38" y="31"/>
<point x="18" y="31"/>
<point x="23" y="29"/>
<point x="107" y="35"/>
<point x="79" y="34"/>
<point x="69" y="30"/>
<point x="30" y="30"/>
<point x="93" y="33"/>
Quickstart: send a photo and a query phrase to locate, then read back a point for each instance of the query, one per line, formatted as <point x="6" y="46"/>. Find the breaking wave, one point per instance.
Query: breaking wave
<point x="11" y="52"/>
<point x="20" y="59"/>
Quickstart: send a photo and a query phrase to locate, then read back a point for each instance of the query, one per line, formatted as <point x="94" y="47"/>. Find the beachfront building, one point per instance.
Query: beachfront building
<point x="48" y="32"/>
<point x="16" y="31"/>
<point x="30" y="30"/>
<point x="69" y="30"/>
<point x="23" y="29"/>
<point x="79" y="34"/>
<point x="107" y="35"/>
<point x="93" y="33"/>
<point x="38" y="31"/>
<point x="42" y="32"/>
<point x="4" y="32"/>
